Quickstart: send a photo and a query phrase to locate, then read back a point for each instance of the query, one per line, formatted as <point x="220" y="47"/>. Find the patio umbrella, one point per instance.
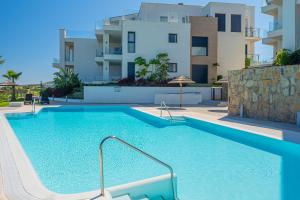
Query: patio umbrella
<point x="181" y="80"/>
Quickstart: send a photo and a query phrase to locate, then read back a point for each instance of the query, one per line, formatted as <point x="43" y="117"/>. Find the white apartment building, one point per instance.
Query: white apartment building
<point x="227" y="35"/>
<point x="284" y="31"/>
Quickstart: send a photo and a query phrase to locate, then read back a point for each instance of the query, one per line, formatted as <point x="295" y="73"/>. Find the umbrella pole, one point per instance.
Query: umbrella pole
<point x="180" y="96"/>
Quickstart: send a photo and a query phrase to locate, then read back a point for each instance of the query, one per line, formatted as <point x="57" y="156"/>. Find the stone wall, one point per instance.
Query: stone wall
<point x="271" y="93"/>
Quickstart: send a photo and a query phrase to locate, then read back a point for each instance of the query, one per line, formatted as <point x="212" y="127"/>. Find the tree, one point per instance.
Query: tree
<point x="143" y="65"/>
<point x="2" y="60"/>
<point x="66" y="80"/>
<point x="12" y="76"/>
<point x="161" y="64"/>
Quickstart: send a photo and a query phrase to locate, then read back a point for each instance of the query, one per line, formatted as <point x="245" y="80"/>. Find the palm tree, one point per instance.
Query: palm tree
<point x="12" y="76"/>
<point x="1" y="60"/>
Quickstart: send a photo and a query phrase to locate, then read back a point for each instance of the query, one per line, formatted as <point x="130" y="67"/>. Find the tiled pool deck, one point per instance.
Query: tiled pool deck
<point x="215" y="114"/>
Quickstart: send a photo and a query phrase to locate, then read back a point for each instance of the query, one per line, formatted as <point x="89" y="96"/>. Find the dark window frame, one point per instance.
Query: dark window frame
<point x="131" y="42"/>
<point x="221" y="26"/>
<point x="172" y="71"/>
<point x="200" y="45"/>
<point x="164" y="17"/>
<point x="236" y="23"/>
<point x="176" y="37"/>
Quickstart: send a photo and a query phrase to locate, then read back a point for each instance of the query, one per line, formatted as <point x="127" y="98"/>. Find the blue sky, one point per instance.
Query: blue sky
<point x="29" y="29"/>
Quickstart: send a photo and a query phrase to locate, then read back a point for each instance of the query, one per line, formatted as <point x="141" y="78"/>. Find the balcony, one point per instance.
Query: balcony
<point x="113" y="53"/>
<point x="254" y="59"/>
<point x="252" y="34"/>
<point x="55" y="63"/>
<point x="99" y="55"/>
<point x="69" y="60"/>
<point x="270" y="7"/>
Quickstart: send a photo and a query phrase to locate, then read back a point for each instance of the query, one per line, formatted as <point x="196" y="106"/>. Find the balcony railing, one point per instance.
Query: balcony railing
<point x="55" y="60"/>
<point x="99" y="52"/>
<point x="252" y="32"/>
<point x="69" y="59"/>
<point x="115" y="50"/>
<point x="273" y="26"/>
<point x="254" y="59"/>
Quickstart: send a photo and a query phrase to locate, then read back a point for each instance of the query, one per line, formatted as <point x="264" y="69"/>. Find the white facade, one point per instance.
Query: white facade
<point x="106" y="56"/>
<point x="152" y="38"/>
<point x="284" y="31"/>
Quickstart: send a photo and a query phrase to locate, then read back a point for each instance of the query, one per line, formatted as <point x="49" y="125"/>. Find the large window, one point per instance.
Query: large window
<point x="236" y="23"/>
<point x="221" y="22"/>
<point x="199" y="46"/>
<point x="163" y="18"/>
<point x="131" y="42"/>
<point x="200" y="73"/>
<point x="172" y="67"/>
<point x="172" y="38"/>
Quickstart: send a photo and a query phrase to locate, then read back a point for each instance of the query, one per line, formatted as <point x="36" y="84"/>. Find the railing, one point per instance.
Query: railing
<point x="115" y="50"/>
<point x="99" y="52"/>
<point x="273" y="26"/>
<point x="80" y="34"/>
<point x="33" y="106"/>
<point x="163" y="105"/>
<point x="252" y="32"/>
<point x="254" y="59"/>
<point x="55" y="60"/>
<point x="137" y="150"/>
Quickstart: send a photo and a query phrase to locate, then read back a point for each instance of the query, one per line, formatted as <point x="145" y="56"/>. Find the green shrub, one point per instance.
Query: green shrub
<point x="283" y="57"/>
<point x="295" y="57"/>
<point x="4" y="104"/>
<point x="247" y="62"/>
<point x="219" y="77"/>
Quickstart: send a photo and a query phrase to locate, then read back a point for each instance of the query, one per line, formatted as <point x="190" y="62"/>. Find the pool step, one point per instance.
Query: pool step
<point x="127" y="197"/>
<point x="123" y="197"/>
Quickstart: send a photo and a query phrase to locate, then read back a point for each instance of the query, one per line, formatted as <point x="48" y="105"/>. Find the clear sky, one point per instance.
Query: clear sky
<point x="29" y="29"/>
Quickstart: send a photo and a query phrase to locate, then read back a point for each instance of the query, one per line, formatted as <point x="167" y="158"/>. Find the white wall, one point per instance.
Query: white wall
<point x="152" y="38"/>
<point x="84" y="58"/>
<point x="289" y="24"/>
<point x="110" y="94"/>
<point x="153" y="11"/>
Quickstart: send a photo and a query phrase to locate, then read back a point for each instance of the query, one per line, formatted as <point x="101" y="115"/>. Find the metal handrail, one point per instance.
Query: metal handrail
<point x="137" y="150"/>
<point x="33" y="106"/>
<point x="163" y="104"/>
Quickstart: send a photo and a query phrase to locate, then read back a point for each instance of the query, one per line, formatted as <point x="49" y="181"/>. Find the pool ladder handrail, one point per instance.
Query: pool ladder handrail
<point x="163" y="104"/>
<point x="112" y="137"/>
<point x="33" y="106"/>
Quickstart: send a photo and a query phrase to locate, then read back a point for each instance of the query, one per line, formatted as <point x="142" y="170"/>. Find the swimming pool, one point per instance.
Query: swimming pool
<point x="210" y="161"/>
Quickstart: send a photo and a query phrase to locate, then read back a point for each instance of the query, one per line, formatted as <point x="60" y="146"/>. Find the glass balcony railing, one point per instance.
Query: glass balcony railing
<point x="99" y="52"/>
<point x="55" y="60"/>
<point x="115" y="50"/>
<point x="252" y="32"/>
<point x="254" y="59"/>
<point x="274" y="26"/>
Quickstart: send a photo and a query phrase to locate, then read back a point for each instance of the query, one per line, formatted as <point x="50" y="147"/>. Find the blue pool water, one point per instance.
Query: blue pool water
<point x="211" y="162"/>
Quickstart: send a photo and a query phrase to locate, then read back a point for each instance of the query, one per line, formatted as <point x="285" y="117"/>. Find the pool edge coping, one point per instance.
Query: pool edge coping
<point x="23" y="164"/>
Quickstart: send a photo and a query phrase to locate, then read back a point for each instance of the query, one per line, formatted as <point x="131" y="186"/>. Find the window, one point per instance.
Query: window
<point x="172" y="38"/>
<point x="184" y="20"/>
<point x="131" y="42"/>
<point x="199" y="46"/>
<point x="236" y="23"/>
<point x="221" y="22"/>
<point x="163" y="18"/>
<point x="69" y="68"/>
<point x="200" y="73"/>
<point x="172" y="67"/>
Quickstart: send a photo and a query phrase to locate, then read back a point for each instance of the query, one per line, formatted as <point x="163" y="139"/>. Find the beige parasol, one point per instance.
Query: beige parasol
<point x="181" y="80"/>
